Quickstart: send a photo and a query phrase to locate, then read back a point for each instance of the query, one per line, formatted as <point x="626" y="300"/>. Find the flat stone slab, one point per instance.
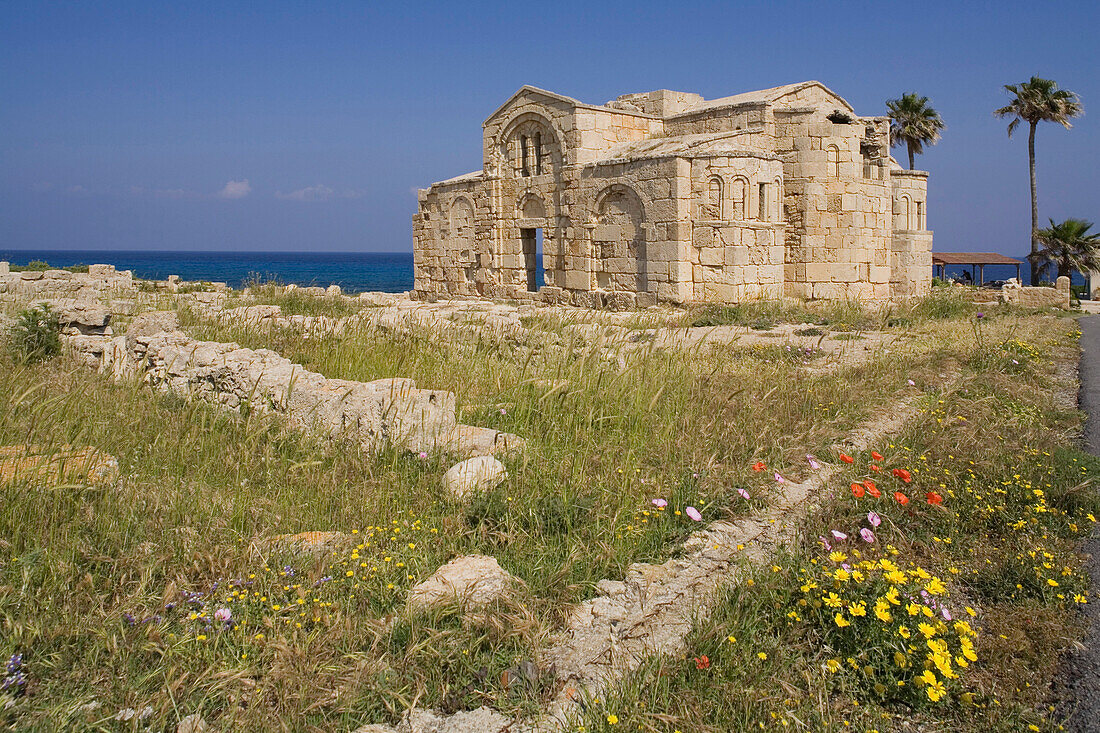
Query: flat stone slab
<point x="472" y="580"/>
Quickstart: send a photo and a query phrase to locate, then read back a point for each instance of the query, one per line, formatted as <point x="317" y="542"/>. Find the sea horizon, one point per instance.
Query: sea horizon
<point x="354" y="272"/>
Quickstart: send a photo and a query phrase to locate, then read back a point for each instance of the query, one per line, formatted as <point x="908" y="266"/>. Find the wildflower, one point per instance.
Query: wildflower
<point x="503" y="411"/>
<point x="935" y="688"/>
<point x="858" y="609"/>
<point x="871" y="488"/>
<point x="903" y="632"/>
<point x="874" y="519"/>
<point x="867" y="535"/>
<point x="731" y="639"/>
<point x="911" y="383"/>
<point x="839" y="535"/>
<point x="744" y="494"/>
<point x="694" y="513"/>
<point x="841" y="621"/>
<point x="814" y="465"/>
<point x="901" y="498"/>
<point x="759" y="466"/>
<point x="902" y="474"/>
<point x="934" y="499"/>
<point x="824" y="543"/>
<point x="762" y="655"/>
<point x="422" y="455"/>
<point x="833" y="665"/>
<point x="832" y="600"/>
<point x="858" y="490"/>
<point x="659" y="503"/>
<point x="702" y="662"/>
<point x="838" y="556"/>
<point x="223" y="615"/>
<point x="875" y="468"/>
<point x="779" y="479"/>
<point x="847" y="458"/>
<point x="927" y="629"/>
<point x="612" y="719"/>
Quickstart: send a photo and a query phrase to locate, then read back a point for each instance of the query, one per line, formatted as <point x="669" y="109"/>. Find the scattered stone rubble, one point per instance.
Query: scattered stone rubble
<point x="474" y="475"/>
<point x="62" y="464"/>
<point x="373" y="414"/>
<point x="1013" y="293"/>
<point x="472" y="580"/>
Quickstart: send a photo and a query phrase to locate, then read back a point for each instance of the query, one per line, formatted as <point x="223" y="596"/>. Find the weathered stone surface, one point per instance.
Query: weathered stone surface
<point x="1041" y="297"/>
<point x="313" y="542"/>
<point x="481" y="720"/>
<point x="474" y="475"/>
<point x="56" y="465"/>
<point x="150" y="323"/>
<point x="472" y="580"/>
<point x="193" y="723"/>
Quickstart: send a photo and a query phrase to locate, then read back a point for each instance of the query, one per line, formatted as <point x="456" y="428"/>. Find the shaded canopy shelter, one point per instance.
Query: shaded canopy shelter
<point x="976" y="260"/>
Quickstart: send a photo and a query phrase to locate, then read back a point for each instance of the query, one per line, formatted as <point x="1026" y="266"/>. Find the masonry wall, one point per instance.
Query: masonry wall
<point x="911" y="248"/>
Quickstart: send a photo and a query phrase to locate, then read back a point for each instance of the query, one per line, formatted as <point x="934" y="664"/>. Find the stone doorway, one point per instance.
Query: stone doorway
<point x="532" y="257"/>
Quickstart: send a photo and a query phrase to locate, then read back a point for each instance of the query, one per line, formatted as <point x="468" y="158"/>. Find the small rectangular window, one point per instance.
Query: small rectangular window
<point x="523" y="155"/>
<point x="538" y="153"/>
<point x="762" y="202"/>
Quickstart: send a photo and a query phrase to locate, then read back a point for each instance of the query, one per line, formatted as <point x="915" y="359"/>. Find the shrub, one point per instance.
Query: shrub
<point x="36" y="334"/>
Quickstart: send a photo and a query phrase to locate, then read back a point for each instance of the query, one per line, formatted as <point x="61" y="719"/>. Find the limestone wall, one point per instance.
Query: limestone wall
<point x="911" y="249"/>
<point x="1041" y="297"/>
<point x="99" y="280"/>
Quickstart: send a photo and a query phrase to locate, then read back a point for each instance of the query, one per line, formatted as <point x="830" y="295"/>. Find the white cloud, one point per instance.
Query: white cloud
<point x="320" y="192"/>
<point x="235" y="189"/>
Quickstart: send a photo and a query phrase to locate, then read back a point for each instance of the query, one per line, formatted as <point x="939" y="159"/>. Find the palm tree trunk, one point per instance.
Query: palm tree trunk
<point x="909" y="145"/>
<point x="1034" y="203"/>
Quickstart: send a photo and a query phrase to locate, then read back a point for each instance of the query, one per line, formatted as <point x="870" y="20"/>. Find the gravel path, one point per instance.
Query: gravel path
<point x="1079" y="687"/>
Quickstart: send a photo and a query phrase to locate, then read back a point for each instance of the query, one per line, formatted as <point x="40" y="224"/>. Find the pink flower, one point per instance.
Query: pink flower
<point x="503" y="411"/>
<point x="693" y="513"/>
<point x="223" y="615"/>
<point x="867" y="535"/>
<point x="813" y="462"/>
<point x="659" y="503"/>
<point x="911" y="383"/>
<point x="779" y="479"/>
<point x="945" y="613"/>
<point x="421" y="455"/>
<point x="839" y="535"/>
<point x="874" y="519"/>
<point x="825" y="543"/>
<point x="744" y="494"/>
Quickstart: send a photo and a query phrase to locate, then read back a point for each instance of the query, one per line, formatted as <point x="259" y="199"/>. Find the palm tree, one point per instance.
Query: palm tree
<point x="1069" y="246"/>
<point x="914" y="123"/>
<point x="1038" y="100"/>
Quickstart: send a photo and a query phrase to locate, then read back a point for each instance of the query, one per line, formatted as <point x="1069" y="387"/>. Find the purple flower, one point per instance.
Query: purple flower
<point x="874" y="519"/>
<point x="981" y="315"/>
<point x="779" y="479"/>
<point x="813" y="462"/>
<point x="911" y="382"/>
<point x="744" y="494"/>
<point x="867" y="535"/>
<point x="223" y="615"/>
<point x="693" y="513"/>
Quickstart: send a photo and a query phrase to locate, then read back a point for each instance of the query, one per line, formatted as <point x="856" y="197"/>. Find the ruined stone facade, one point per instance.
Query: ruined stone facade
<point x="665" y="196"/>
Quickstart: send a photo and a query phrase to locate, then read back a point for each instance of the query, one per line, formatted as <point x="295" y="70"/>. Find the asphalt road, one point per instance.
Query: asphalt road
<point x="1078" y="687"/>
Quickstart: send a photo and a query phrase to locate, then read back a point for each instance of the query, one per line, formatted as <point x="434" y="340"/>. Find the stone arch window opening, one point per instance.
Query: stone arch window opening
<point x="920" y="216"/>
<point x="538" y="153"/>
<point x="833" y="154"/>
<point x="738" y="196"/>
<point x="777" y="209"/>
<point x="713" y="206"/>
<point x="762" y="202"/>
<point x="905" y="207"/>
<point x="523" y="156"/>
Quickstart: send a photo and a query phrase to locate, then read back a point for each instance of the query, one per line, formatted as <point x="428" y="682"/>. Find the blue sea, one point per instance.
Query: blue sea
<point x="355" y="272"/>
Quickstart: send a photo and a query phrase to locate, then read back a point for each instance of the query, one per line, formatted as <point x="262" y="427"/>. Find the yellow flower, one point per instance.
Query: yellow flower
<point x="841" y="621"/>
<point x="882" y="613"/>
<point x="612" y="719"/>
<point x="903" y="632"/>
<point x="892" y="596"/>
<point x="859" y="609"/>
<point x="1052" y="582"/>
<point x="832" y="600"/>
<point x="833" y="665"/>
<point x="201" y="637"/>
<point x="762" y="655"/>
<point x="731" y="639"/>
<point x="936" y="587"/>
<point x="927" y="629"/>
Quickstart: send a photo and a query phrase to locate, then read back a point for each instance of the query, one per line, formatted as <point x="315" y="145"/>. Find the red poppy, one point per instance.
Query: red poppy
<point x="858" y="490"/>
<point x="702" y="662"/>
<point x="901" y="498"/>
<point x="934" y="499"/>
<point x="871" y="488"/>
<point x="758" y="466"/>
<point x="902" y="474"/>
<point x="846" y="458"/>
<point x="876" y="455"/>
<point x="875" y="468"/>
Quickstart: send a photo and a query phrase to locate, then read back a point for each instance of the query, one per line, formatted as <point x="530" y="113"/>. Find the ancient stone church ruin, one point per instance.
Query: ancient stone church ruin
<point x="666" y="196"/>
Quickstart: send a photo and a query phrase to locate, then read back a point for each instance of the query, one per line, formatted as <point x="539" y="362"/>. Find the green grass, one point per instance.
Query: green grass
<point x="88" y="573"/>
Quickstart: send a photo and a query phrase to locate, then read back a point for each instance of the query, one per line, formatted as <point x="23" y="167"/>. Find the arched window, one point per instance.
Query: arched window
<point x="920" y="216"/>
<point x="833" y="153"/>
<point x="762" y="207"/>
<point x="538" y="153"/>
<point x="738" y="196"/>
<point x="777" y="208"/>
<point x="523" y="155"/>
<point x="904" y="213"/>
<point x="712" y="204"/>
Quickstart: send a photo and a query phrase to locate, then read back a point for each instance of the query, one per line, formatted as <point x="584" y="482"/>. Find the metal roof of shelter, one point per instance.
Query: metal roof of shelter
<point x="972" y="258"/>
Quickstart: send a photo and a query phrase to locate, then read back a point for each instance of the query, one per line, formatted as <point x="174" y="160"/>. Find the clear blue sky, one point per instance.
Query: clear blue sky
<point x="136" y="125"/>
